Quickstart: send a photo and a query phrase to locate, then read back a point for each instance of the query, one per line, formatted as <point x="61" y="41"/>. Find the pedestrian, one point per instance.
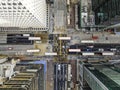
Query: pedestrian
<point x="106" y="38"/>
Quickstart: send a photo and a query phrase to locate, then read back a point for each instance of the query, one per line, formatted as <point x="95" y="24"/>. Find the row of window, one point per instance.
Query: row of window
<point x="17" y="11"/>
<point x="9" y="0"/>
<point x="15" y="15"/>
<point x="16" y="3"/>
<point x="11" y="3"/>
<point x="26" y="29"/>
<point x="21" y="30"/>
<point x="12" y="7"/>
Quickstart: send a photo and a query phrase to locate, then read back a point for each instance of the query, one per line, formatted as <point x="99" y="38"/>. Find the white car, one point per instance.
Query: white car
<point x="59" y="67"/>
<point x="101" y="49"/>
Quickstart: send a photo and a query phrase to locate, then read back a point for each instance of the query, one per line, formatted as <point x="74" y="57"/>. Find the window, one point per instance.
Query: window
<point x="14" y="7"/>
<point x="9" y="3"/>
<point x="24" y="7"/>
<point x="19" y="3"/>
<point x="4" y="8"/>
<point x="3" y="4"/>
<point x="14" y="4"/>
<point x="19" y="7"/>
<point x="9" y="8"/>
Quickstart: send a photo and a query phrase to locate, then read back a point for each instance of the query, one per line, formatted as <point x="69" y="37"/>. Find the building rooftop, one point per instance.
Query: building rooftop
<point x="23" y="13"/>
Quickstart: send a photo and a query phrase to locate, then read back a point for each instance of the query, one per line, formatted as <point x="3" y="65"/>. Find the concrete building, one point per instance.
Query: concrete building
<point x="24" y="14"/>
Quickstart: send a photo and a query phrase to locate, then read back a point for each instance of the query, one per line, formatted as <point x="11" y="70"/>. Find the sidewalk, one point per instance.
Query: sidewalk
<point x="103" y="37"/>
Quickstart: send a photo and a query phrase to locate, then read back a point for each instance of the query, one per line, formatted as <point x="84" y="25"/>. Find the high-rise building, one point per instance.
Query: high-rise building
<point x="24" y="14"/>
<point x="107" y="12"/>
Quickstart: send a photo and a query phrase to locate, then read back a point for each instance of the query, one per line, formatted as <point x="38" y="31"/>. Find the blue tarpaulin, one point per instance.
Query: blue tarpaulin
<point x="42" y="62"/>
